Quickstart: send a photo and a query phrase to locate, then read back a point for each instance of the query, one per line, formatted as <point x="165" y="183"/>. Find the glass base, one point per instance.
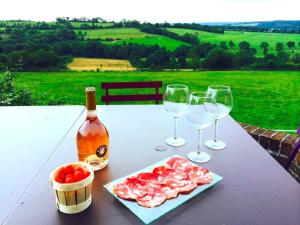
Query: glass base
<point x="175" y="142"/>
<point x="217" y="145"/>
<point x="96" y="162"/>
<point x="199" y="158"/>
<point x="160" y="148"/>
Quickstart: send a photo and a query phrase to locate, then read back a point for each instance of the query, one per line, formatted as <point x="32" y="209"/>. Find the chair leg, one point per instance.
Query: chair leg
<point x="292" y="156"/>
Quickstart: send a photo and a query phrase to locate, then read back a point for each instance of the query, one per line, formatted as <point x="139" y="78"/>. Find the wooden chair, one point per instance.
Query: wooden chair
<point x="107" y="98"/>
<point x="294" y="153"/>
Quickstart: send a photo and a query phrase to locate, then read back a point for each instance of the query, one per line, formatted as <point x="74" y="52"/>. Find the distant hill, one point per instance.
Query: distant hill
<point x="287" y="26"/>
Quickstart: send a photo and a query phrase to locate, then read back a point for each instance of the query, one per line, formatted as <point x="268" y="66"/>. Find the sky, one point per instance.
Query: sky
<point x="153" y="10"/>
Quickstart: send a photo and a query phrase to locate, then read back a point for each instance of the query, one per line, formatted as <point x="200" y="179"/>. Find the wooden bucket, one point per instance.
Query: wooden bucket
<point x="73" y="197"/>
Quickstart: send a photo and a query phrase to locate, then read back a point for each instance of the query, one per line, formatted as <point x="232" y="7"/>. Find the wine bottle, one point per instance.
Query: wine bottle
<point x="92" y="137"/>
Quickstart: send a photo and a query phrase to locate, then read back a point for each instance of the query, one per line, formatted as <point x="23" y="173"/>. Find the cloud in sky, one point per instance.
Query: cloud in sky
<point x="153" y="10"/>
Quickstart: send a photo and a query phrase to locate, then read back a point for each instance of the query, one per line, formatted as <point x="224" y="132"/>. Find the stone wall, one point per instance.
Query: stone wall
<point x="280" y="145"/>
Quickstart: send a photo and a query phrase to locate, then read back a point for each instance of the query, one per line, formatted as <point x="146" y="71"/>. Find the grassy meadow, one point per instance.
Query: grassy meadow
<point x="115" y="33"/>
<point x="78" y="24"/>
<point x="132" y="35"/>
<point x="268" y="99"/>
<point x="88" y="64"/>
<point x="20" y="23"/>
<point x="162" y="41"/>
<point x="254" y="38"/>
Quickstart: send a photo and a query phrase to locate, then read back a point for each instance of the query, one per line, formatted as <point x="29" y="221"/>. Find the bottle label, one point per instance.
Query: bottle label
<point x="101" y="151"/>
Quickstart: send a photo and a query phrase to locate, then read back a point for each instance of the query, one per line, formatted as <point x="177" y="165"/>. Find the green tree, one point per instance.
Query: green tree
<point x="3" y="61"/>
<point x="231" y="44"/>
<point x="219" y="58"/>
<point x="181" y="51"/>
<point x="246" y="56"/>
<point x="291" y="44"/>
<point x="158" y="59"/>
<point x="193" y="54"/>
<point x="10" y="95"/>
<point x="8" y="30"/>
<point x="283" y="56"/>
<point x="195" y="63"/>
<point x="182" y="62"/>
<point x="265" y="47"/>
<point x="296" y="58"/>
<point x="270" y="61"/>
<point x="223" y="45"/>
<point x="244" y="45"/>
<point x="279" y="46"/>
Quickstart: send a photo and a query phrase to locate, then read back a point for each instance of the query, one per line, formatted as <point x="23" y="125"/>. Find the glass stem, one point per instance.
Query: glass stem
<point x="175" y="127"/>
<point x="216" y="129"/>
<point x="200" y="141"/>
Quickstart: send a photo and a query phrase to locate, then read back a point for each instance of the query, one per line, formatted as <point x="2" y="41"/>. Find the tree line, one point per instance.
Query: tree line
<point x="54" y="49"/>
<point x="188" y="38"/>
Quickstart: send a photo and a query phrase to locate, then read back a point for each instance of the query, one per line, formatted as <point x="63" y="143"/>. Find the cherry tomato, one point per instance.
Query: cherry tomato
<point x="78" y="175"/>
<point x="61" y="176"/>
<point x="59" y="180"/>
<point x="68" y="169"/>
<point x="86" y="174"/>
<point x="71" y="174"/>
<point x="70" y="179"/>
<point x="78" y="168"/>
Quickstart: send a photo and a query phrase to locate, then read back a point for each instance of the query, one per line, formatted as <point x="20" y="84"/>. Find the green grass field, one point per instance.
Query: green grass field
<point x="22" y="23"/>
<point x="122" y="33"/>
<point x="9" y="23"/>
<point x="254" y="38"/>
<point x="162" y="41"/>
<point x="78" y="24"/>
<point x="268" y="99"/>
<point x="132" y="35"/>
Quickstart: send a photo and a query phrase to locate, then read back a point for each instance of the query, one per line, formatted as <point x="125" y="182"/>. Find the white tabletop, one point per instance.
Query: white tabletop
<point x="28" y="136"/>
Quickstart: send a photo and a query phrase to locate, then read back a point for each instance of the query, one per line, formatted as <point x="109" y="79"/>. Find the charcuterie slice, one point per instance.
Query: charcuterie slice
<point x="199" y="175"/>
<point x="151" y="189"/>
<point x="169" y="192"/>
<point x="178" y="163"/>
<point x="154" y="198"/>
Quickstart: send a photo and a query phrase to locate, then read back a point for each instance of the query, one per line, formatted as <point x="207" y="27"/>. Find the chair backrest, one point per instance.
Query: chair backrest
<point x="294" y="153"/>
<point x="107" y="98"/>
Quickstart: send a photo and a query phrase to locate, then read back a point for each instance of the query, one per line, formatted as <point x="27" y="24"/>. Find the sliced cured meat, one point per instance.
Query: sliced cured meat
<point x="188" y="187"/>
<point x="162" y="170"/>
<point x="130" y="190"/>
<point x="137" y="190"/>
<point x="169" y="192"/>
<point x="136" y="181"/>
<point x="199" y="175"/>
<point x="175" y="184"/>
<point x="151" y="189"/>
<point x="155" y="198"/>
<point x="178" y="163"/>
<point x="150" y="179"/>
<point x="122" y="191"/>
<point x="147" y="176"/>
<point x="165" y="172"/>
<point x="178" y="175"/>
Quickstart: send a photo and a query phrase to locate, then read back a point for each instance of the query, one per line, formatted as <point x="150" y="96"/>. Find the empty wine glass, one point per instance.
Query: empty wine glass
<point x="223" y="97"/>
<point x="175" y="102"/>
<point x="201" y="114"/>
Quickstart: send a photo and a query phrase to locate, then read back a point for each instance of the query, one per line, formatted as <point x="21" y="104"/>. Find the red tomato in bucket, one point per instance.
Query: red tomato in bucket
<point x="71" y="174"/>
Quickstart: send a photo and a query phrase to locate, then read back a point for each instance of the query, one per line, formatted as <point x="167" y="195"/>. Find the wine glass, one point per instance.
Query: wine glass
<point x="175" y="102"/>
<point x="201" y="114"/>
<point x="223" y="98"/>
